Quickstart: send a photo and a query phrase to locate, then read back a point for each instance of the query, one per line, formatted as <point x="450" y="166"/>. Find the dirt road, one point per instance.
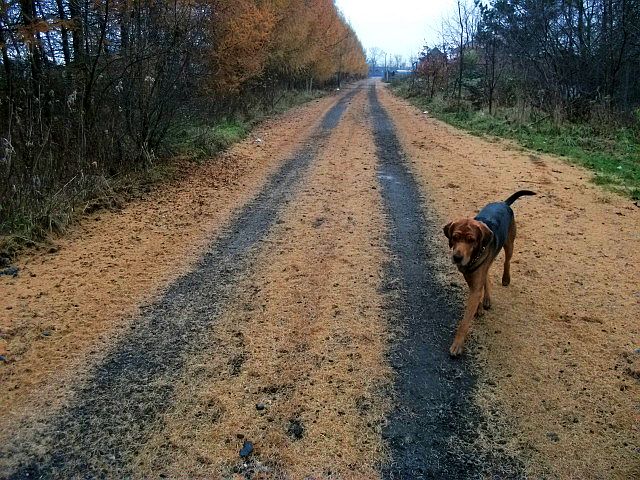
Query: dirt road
<point x="285" y="312"/>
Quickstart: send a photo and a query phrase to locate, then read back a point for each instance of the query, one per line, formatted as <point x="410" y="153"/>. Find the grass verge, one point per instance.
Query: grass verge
<point x="189" y="140"/>
<point x="613" y="153"/>
<point x="198" y="140"/>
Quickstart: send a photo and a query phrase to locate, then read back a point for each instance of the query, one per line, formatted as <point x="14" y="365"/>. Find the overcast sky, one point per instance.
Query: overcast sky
<point x="396" y="26"/>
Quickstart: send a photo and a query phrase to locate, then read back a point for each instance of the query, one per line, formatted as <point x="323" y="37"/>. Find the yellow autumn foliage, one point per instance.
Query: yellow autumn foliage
<point x="291" y="41"/>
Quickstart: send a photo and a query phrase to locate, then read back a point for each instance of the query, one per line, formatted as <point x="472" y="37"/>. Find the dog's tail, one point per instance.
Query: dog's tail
<point x="517" y="195"/>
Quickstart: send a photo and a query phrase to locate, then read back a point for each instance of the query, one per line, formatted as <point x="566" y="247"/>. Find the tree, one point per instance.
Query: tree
<point x="561" y="58"/>
<point x="242" y="31"/>
<point x="373" y="57"/>
<point x="398" y="62"/>
<point x="103" y="81"/>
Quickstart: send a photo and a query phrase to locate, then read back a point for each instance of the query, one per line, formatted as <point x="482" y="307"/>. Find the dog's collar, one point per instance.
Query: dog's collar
<point x="473" y="265"/>
<point x="480" y="253"/>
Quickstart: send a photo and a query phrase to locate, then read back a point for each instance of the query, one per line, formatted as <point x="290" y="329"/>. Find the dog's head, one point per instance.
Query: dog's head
<point x="466" y="238"/>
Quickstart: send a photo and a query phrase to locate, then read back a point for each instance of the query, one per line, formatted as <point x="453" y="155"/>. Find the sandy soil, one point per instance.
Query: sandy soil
<point x="66" y="306"/>
<point x="560" y="346"/>
<point x="305" y="339"/>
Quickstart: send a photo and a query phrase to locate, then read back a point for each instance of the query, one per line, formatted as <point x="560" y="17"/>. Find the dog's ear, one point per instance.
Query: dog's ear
<point x="486" y="235"/>
<point x="447" y="230"/>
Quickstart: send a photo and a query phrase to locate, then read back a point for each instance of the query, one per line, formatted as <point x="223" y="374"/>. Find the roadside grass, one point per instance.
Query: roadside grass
<point x="198" y="140"/>
<point x="292" y="98"/>
<point x="189" y="139"/>
<point x="612" y="152"/>
<point x="31" y="227"/>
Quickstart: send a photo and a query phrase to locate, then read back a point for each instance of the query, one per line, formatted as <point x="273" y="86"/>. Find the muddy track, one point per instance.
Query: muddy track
<point x="113" y="414"/>
<point x="433" y="416"/>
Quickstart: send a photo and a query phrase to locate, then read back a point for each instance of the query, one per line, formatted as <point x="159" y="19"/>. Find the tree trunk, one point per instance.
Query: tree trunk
<point x="124" y="28"/>
<point x="6" y="61"/>
<point x="77" y="36"/>
<point x="460" y="52"/>
<point x="64" y="33"/>
<point x="90" y="82"/>
<point x="33" y="46"/>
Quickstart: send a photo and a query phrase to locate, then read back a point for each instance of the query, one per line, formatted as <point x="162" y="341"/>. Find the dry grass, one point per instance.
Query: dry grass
<point x="305" y="338"/>
<point x="67" y="305"/>
<point x="560" y="345"/>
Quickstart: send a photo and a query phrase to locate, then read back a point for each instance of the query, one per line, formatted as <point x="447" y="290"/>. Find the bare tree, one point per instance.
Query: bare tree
<point x="398" y="62"/>
<point x="374" y="54"/>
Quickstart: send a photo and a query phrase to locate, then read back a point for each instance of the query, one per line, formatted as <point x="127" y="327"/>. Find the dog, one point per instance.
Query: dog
<point x="474" y="244"/>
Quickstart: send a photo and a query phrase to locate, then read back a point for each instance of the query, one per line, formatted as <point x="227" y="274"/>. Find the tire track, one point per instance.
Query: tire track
<point x="113" y="414"/>
<point x="433" y="418"/>
<point x="309" y="326"/>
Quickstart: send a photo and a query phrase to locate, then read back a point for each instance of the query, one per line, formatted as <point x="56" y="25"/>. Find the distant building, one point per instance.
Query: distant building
<point x="431" y="56"/>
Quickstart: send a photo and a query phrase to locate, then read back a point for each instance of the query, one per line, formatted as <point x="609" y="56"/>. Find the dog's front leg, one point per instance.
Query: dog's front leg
<point x="475" y="297"/>
<point x="486" y="300"/>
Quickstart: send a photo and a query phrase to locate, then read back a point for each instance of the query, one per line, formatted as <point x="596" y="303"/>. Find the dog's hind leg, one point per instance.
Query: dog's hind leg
<point x="508" y="253"/>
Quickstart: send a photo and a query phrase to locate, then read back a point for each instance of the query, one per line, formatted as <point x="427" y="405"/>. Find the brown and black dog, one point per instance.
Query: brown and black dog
<point x="475" y="243"/>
